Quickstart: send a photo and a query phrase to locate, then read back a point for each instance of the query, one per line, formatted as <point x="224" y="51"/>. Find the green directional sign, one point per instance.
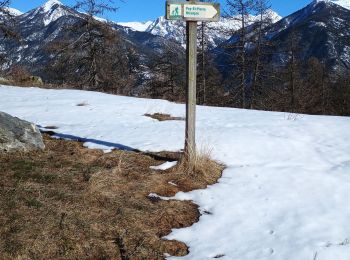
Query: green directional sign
<point x="193" y="11"/>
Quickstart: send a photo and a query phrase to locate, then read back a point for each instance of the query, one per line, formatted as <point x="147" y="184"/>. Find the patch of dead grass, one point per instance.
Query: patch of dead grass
<point x="164" y="117"/>
<point x="70" y="202"/>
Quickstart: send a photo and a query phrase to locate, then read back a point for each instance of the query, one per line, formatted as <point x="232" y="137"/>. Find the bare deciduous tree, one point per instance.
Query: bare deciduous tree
<point x="240" y="10"/>
<point x="92" y="55"/>
<point x="167" y="78"/>
<point x="261" y="8"/>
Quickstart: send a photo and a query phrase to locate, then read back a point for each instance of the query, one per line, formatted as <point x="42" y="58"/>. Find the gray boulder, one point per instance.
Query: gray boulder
<point x="18" y="135"/>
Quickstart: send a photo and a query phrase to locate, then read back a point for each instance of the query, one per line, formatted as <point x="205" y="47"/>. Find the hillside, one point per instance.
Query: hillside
<point x="320" y="30"/>
<point x="323" y="31"/>
<point x="284" y="192"/>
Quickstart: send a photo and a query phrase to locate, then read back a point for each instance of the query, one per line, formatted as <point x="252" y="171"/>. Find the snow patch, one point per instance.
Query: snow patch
<point x="137" y="26"/>
<point x="12" y="11"/>
<point x="318" y="24"/>
<point x="343" y="3"/>
<point x="165" y="166"/>
<point x="156" y="196"/>
<point x="49" y="4"/>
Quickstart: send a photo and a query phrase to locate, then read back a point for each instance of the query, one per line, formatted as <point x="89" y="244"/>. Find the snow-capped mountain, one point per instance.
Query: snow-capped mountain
<point x="218" y="32"/>
<point x="39" y="27"/>
<point x="53" y="10"/>
<point x="48" y="13"/>
<point x="175" y="30"/>
<point x="320" y="30"/>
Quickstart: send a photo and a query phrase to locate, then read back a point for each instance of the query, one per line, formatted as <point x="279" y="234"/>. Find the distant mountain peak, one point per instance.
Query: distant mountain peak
<point x="52" y="10"/>
<point x="49" y="4"/>
<point x="217" y="32"/>
<point x="343" y="3"/>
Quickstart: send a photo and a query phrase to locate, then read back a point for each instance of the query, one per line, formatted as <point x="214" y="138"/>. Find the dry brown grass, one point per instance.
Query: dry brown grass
<point x="203" y="170"/>
<point x="20" y="84"/>
<point x="164" y="117"/>
<point x="69" y="202"/>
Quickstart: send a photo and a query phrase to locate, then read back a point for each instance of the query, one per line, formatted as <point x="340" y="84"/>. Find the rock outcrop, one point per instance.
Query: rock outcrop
<point x="18" y="135"/>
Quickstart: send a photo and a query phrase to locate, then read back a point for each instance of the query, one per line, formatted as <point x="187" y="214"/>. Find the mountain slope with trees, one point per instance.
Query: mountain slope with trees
<point x="302" y="62"/>
<point x="43" y="31"/>
<point x="298" y="64"/>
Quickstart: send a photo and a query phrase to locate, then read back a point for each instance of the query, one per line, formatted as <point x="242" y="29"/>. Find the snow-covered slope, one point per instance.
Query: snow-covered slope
<point x="137" y="26"/>
<point x="283" y="196"/>
<point x="12" y="11"/>
<point x="343" y="3"/>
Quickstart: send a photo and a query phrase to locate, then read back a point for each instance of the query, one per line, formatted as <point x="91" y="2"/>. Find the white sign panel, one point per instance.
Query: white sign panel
<point x="199" y="11"/>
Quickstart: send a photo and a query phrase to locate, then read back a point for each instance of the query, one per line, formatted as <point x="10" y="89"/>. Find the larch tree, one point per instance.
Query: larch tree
<point x="261" y="10"/>
<point x="240" y="11"/>
<point x="167" y="75"/>
<point x="92" y="55"/>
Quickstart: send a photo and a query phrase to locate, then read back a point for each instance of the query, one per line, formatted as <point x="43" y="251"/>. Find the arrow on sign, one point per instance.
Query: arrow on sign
<point x="200" y="11"/>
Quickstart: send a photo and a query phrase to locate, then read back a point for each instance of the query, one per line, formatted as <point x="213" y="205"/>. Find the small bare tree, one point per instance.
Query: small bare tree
<point x="167" y="76"/>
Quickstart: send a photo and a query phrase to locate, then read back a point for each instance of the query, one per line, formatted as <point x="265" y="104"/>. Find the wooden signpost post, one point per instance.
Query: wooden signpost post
<point x="191" y="12"/>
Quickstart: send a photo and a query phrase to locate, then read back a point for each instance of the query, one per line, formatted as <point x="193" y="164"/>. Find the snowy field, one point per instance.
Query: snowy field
<point x="286" y="190"/>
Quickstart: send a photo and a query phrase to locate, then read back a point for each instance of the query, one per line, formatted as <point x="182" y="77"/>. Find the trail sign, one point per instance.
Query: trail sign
<point x="175" y="11"/>
<point x="193" y="11"/>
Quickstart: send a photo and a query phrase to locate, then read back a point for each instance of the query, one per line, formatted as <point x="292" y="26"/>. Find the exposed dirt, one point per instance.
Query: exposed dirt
<point x="70" y="202"/>
<point x="164" y="117"/>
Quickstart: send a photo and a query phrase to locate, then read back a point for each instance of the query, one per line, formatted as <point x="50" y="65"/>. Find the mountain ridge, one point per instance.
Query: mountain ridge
<point x="217" y="32"/>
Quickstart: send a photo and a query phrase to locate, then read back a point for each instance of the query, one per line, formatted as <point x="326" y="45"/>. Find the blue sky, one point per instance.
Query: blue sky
<point x="144" y="10"/>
